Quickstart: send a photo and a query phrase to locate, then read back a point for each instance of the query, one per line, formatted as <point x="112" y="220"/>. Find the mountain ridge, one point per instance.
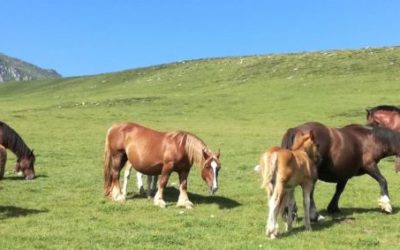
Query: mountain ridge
<point x="13" y="69"/>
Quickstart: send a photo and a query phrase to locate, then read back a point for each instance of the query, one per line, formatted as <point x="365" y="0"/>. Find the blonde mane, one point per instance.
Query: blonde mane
<point x="193" y="146"/>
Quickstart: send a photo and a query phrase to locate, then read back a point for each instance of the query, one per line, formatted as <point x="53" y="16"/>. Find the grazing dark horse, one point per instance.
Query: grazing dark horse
<point x="386" y="116"/>
<point x="156" y="153"/>
<point x="347" y="152"/>
<point x="9" y="139"/>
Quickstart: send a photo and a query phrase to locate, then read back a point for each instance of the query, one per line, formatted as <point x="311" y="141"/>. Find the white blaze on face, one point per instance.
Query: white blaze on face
<point x="214" y="166"/>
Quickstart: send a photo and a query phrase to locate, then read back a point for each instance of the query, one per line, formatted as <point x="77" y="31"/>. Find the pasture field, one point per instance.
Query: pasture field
<point x="241" y="105"/>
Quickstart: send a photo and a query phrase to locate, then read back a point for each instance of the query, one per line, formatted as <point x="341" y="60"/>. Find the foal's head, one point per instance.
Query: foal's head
<point x="306" y="141"/>
<point x="26" y="165"/>
<point x="211" y="167"/>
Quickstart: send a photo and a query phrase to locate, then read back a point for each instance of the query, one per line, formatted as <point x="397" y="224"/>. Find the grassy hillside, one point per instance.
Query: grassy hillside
<point x="12" y="69"/>
<point x="241" y="105"/>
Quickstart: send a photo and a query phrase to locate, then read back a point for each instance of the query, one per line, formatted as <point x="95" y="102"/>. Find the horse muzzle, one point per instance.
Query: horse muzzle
<point x="213" y="190"/>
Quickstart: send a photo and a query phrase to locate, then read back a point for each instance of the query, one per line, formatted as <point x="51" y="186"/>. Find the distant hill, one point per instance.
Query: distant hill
<point x="12" y="69"/>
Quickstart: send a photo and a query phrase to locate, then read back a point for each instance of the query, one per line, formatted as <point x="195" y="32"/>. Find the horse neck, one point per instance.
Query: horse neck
<point x="14" y="142"/>
<point x="194" y="149"/>
<point x="389" y="140"/>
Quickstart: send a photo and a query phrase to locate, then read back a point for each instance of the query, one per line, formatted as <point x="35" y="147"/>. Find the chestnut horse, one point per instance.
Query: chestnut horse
<point x="386" y="116"/>
<point x="9" y="139"/>
<point x="346" y="152"/>
<point x="156" y="153"/>
<point x="282" y="170"/>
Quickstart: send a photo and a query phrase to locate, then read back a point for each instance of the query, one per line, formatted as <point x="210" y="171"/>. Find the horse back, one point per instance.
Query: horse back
<point x="146" y="149"/>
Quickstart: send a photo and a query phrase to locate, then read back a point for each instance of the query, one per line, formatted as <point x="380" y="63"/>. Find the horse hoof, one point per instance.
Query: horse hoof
<point x="384" y="204"/>
<point x="333" y="210"/>
<point x="160" y="203"/>
<point x="320" y="218"/>
<point x="120" y="198"/>
<point x="387" y="209"/>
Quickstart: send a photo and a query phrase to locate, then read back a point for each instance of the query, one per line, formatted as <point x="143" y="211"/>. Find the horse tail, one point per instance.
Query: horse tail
<point x="3" y="159"/>
<point x="268" y="167"/>
<point x="107" y="167"/>
<point x="288" y="138"/>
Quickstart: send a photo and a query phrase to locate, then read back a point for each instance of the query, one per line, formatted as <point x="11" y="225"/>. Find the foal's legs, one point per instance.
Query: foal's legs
<point x="165" y="173"/>
<point x="127" y="174"/>
<point x="307" y="189"/>
<point x="333" y="206"/>
<point x="151" y="185"/>
<point x="183" y="200"/>
<point x="291" y="203"/>
<point x="118" y="161"/>
<point x="384" y="201"/>
<point x="274" y="204"/>
<point x="139" y="182"/>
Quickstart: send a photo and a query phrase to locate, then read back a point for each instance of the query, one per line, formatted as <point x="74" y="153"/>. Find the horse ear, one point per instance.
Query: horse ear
<point x="205" y="153"/>
<point x="219" y="153"/>
<point x="312" y="136"/>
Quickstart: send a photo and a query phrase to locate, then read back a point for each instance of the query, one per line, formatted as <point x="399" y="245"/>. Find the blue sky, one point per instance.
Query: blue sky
<point x="83" y="37"/>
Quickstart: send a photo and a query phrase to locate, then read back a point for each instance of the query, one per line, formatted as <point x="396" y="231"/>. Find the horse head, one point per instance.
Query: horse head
<point x="211" y="167"/>
<point x="25" y="165"/>
<point x="307" y="142"/>
<point x="371" y="119"/>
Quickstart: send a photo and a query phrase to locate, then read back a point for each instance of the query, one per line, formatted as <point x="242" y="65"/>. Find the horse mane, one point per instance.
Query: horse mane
<point x="14" y="142"/>
<point x="384" y="108"/>
<point x="299" y="143"/>
<point x="194" y="146"/>
<point x="387" y="136"/>
<point x="288" y="138"/>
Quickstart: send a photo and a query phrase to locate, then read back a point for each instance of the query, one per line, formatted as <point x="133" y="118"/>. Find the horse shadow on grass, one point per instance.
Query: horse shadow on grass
<point x="21" y="178"/>
<point x="7" y="212"/>
<point x="345" y="216"/>
<point x="171" y="195"/>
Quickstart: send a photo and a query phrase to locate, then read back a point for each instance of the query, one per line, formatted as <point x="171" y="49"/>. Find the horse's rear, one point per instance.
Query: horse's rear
<point x="142" y="146"/>
<point x="282" y="170"/>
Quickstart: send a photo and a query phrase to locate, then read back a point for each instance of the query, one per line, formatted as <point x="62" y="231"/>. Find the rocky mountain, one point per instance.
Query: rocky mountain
<point x="12" y="69"/>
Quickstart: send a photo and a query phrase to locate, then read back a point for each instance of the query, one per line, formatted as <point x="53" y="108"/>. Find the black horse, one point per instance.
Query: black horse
<point x="25" y="158"/>
<point x="346" y="152"/>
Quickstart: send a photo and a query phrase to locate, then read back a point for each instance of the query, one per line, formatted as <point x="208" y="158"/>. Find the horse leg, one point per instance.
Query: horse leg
<point x="127" y="174"/>
<point x="183" y="200"/>
<point x="166" y="172"/>
<point x="307" y="189"/>
<point x="333" y="206"/>
<point x="274" y="204"/>
<point x="3" y="159"/>
<point x="291" y="203"/>
<point x="139" y="182"/>
<point x="151" y="185"/>
<point x="118" y="161"/>
<point x="384" y="201"/>
<point x="314" y="215"/>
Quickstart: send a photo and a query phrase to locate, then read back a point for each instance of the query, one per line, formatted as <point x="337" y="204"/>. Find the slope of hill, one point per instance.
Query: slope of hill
<point x="12" y="69"/>
<point x="241" y="105"/>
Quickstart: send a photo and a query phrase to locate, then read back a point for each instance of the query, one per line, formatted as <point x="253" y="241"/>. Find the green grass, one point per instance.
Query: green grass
<point x="241" y="105"/>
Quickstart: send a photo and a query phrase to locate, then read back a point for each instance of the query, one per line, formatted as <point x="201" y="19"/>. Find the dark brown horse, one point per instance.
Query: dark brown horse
<point x="347" y="152"/>
<point x="386" y="116"/>
<point x="25" y="158"/>
<point x="156" y="153"/>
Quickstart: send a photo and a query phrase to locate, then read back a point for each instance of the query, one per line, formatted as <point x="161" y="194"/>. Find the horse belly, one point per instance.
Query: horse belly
<point x="338" y="171"/>
<point x="145" y="162"/>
